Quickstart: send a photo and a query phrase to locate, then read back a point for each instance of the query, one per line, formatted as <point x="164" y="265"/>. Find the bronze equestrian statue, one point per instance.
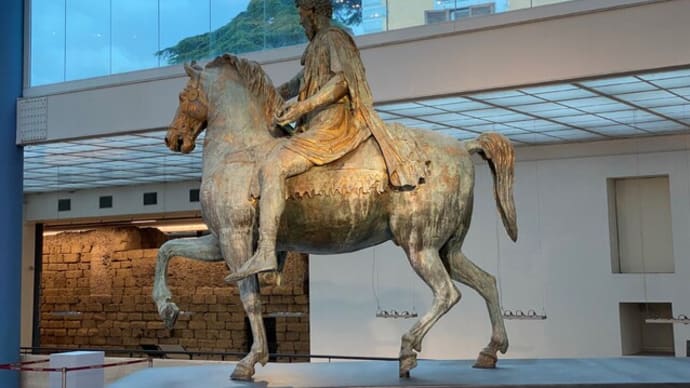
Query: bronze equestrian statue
<point x="377" y="182"/>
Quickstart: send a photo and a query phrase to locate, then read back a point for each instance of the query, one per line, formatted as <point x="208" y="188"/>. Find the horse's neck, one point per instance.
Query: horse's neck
<point x="236" y="119"/>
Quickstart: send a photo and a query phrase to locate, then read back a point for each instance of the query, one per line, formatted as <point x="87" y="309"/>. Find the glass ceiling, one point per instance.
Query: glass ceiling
<point x="614" y="107"/>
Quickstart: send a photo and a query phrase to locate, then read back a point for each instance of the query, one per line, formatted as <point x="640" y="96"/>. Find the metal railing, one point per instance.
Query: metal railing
<point x="224" y="356"/>
<point x="25" y="366"/>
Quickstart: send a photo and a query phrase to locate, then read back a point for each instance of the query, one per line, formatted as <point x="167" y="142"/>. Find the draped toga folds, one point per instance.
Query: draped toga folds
<point x="336" y="129"/>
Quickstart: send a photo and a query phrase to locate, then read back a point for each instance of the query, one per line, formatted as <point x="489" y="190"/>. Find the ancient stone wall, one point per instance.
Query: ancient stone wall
<point x="96" y="292"/>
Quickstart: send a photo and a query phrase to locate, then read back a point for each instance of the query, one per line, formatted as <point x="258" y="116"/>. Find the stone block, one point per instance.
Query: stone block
<point x="70" y="257"/>
<point x="197" y="324"/>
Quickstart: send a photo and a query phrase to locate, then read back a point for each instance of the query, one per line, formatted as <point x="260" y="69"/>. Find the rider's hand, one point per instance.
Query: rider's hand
<point x="289" y="113"/>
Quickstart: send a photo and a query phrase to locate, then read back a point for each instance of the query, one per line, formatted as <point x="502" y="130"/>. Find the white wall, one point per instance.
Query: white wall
<point x="173" y="197"/>
<point x="561" y="264"/>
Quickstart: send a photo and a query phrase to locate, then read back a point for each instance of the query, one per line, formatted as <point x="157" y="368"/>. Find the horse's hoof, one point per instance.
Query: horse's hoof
<point x="407" y="362"/>
<point x="242" y="373"/>
<point x="485" y="360"/>
<point x="170" y="314"/>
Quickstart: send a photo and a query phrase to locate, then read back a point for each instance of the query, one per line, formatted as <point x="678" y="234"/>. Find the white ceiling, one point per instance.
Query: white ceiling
<point x="615" y="107"/>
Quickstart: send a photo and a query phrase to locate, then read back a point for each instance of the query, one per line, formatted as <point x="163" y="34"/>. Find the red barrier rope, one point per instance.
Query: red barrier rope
<point x="20" y="366"/>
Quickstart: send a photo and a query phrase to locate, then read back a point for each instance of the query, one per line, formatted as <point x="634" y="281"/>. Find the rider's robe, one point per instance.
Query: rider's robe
<point x="335" y="130"/>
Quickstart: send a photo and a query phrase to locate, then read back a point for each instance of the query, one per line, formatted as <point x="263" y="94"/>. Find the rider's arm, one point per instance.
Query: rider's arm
<point x="290" y="89"/>
<point x="335" y="89"/>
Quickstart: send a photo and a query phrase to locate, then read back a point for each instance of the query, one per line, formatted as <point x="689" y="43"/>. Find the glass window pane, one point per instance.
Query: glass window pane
<point x="47" y="42"/>
<point x="223" y="12"/>
<point x="135" y="35"/>
<point x="88" y="39"/>
<point x="184" y="30"/>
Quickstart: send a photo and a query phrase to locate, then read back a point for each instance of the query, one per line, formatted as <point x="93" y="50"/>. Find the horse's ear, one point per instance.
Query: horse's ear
<point x="192" y="72"/>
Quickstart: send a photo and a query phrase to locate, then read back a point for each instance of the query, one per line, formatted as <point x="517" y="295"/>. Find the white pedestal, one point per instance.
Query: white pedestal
<point x="92" y="378"/>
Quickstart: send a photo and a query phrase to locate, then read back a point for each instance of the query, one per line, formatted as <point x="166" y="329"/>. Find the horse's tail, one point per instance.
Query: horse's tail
<point x="498" y="152"/>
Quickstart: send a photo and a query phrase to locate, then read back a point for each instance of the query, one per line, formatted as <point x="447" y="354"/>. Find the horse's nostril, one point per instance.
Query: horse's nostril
<point x="167" y="142"/>
<point x="180" y="141"/>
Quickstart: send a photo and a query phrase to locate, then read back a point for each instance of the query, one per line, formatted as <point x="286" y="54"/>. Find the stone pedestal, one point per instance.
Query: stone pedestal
<point x="92" y="378"/>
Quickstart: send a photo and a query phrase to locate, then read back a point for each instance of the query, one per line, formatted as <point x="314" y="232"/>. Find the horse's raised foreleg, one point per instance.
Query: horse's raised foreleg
<point x="203" y="248"/>
<point x="429" y="267"/>
<point x="468" y="273"/>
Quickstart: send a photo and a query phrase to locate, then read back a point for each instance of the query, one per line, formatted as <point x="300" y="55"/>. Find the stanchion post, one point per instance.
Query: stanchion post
<point x="64" y="377"/>
<point x="150" y="362"/>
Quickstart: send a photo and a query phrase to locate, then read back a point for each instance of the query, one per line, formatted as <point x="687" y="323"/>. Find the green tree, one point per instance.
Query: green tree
<point x="264" y="25"/>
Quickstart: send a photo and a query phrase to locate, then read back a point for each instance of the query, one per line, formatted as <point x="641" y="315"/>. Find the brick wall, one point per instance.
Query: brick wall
<point x="96" y="292"/>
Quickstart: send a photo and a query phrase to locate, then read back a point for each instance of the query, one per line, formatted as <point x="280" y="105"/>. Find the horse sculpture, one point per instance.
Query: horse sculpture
<point x="342" y="207"/>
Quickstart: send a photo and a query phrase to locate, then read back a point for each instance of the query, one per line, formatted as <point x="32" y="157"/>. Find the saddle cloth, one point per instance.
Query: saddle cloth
<point x="361" y="171"/>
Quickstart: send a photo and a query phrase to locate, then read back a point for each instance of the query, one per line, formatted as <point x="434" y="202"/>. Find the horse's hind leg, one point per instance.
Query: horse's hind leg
<point x="203" y="248"/>
<point x="428" y="265"/>
<point x="468" y="273"/>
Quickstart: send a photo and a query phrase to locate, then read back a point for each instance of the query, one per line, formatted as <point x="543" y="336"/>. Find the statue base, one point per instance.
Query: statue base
<point x="627" y="372"/>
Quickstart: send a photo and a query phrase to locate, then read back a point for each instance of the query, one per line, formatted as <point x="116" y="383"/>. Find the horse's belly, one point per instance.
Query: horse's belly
<point x="334" y="223"/>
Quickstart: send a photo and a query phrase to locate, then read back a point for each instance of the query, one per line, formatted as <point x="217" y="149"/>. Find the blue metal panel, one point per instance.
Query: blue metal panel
<point x="11" y="40"/>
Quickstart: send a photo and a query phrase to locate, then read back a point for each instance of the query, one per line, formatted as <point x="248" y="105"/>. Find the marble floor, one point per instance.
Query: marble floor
<point x="628" y="372"/>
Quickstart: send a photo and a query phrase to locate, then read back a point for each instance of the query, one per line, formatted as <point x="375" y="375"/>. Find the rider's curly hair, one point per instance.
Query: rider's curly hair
<point x="321" y="7"/>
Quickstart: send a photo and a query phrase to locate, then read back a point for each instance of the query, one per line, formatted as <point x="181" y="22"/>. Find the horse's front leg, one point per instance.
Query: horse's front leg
<point x="203" y="248"/>
<point x="251" y="299"/>
<point x="237" y="244"/>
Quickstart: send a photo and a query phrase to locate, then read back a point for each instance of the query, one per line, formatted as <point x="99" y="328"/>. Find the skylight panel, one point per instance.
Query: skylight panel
<point x="634" y="87"/>
<point x="497" y="94"/>
<point x="399" y="106"/>
<point x="569" y="94"/>
<point x="586" y="102"/>
<point x="535" y="138"/>
<point x="610" y="81"/>
<point x="516" y="100"/>
<point x="548" y="88"/>
<point x="671" y="83"/>
<point x="539" y="108"/>
<point x="464" y="121"/>
<point x="665" y="75"/>
<point x="619" y="130"/>
<point x="574" y="134"/>
<point x="464" y="106"/>
<point x="661" y="126"/>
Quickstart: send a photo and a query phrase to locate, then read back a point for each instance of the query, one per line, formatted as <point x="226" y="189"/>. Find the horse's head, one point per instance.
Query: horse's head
<point x="191" y="116"/>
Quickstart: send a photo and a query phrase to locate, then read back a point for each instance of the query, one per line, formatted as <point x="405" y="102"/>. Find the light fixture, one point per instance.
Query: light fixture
<point x="284" y="314"/>
<point x="182" y="228"/>
<point x="143" y="221"/>
<point x="396" y="314"/>
<point x="531" y="315"/>
<point x="682" y="318"/>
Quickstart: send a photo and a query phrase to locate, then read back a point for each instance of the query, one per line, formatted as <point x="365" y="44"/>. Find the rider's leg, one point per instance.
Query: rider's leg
<point x="279" y="166"/>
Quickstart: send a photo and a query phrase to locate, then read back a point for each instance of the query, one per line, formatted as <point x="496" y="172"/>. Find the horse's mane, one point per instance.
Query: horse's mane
<point x="254" y="78"/>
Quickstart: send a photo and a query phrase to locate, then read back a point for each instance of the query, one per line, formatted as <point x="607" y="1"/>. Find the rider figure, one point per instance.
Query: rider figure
<point x="334" y="114"/>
